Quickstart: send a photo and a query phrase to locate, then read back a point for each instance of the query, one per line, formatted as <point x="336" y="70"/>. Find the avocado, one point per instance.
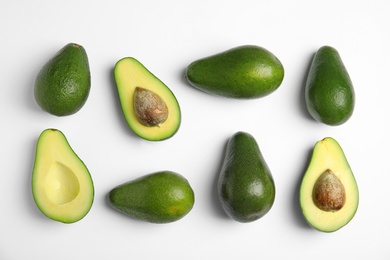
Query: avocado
<point x="244" y="72"/>
<point x="329" y="195"/>
<point x="160" y="197"/>
<point x="63" y="84"/>
<point x="245" y="186"/>
<point x="329" y="93"/>
<point x="149" y="106"/>
<point x="62" y="186"/>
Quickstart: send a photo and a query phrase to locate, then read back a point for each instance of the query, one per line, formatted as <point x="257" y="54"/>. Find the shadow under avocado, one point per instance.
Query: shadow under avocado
<point x="183" y="77"/>
<point x="216" y="203"/>
<point x="302" y="99"/>
<point x="184" y="81"/>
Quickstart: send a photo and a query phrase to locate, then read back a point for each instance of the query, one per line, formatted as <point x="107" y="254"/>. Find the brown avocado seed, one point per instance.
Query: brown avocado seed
<point x="329" y="192"/>
<point x="149" y="108"/>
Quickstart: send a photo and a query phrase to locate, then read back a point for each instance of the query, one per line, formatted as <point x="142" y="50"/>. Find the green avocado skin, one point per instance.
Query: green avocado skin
<point x="244" y="72"/>
<point x="246" y="187"/>
<point x="160" y="197"/>
<point x="63" y="84"/>
<point x="329" y="93"/>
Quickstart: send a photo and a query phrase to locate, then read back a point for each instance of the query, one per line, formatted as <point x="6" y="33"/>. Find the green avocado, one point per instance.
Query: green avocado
<point x="160" y="197"/>
<point x="149" y="106"/>
<point x="329" y="195"/>
<point x="329" y="93"/>
<point x="244" y="72"/>
<point x="63" y="84"/>
<point x="62" y="186"/>
<point x="245" y="186"/>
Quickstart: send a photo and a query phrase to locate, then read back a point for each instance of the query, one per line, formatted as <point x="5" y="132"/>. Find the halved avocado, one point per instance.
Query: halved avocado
<point x="329" y="195"/>
<point x="62" y="186"/>
<point x="149" y="106"/>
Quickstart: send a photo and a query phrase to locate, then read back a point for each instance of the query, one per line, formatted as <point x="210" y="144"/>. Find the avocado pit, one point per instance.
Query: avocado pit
<point x="329" y="192"/>
<point x="149" y="108"/>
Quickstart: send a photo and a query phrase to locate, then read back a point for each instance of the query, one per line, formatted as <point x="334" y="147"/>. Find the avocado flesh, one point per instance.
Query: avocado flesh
<point x="244" y="72"/>
<point x="62" y="186"/>
<point x="246" y="188"/>
<point x="130" y="74"/>
<point x="328" y="156"/>
<point x="329" y="92"/>
<point x="63" y="84"/>
<point x="160" y="197"/>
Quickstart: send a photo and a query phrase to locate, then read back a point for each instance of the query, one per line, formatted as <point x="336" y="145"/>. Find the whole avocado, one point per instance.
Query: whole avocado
<point x="329" y="92"/>
<point x="63" y="84"/>
<point x="244" y="72"/>
<point x="246" y="187"/>
<point x="160" y="197"/>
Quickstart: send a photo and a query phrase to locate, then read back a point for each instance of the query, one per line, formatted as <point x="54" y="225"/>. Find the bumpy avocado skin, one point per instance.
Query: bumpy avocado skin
<point x="63" y="84"/>
<point x="246" y="187"/>
<point x="160" y="197"/>
<point x="244" y="72"/>
<point x="329" y="93"/>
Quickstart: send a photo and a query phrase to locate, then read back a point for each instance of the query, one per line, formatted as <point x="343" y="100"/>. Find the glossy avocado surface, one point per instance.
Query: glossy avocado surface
<point x="244" y="72"/>
<point x="329" y="92"/>
<point x="245" y="186"/>
<point x="160" y="197"/>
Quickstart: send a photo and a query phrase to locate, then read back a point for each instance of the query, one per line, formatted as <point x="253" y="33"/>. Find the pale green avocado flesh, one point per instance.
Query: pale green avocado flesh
<point x="62" y="186"/>
<point x="334" y="205"/>
<point x="131" y="75"/>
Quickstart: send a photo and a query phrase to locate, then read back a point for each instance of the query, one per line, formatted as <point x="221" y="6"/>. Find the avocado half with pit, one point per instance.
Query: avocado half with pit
<point x="149" y="106"/>
<point x="329" y="195"/>
<point x="62" y="186"/>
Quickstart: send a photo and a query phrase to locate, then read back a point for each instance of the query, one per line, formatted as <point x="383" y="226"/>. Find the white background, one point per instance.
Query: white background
<point x="166" y="36"/>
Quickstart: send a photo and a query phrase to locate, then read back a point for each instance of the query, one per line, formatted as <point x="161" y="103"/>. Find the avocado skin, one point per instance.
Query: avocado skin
<point x="246" y="187"/>
<point x="160" y="197"/>
<point x="329" y="93"/>
<point x="244" y="72"/>
<point x="63" y="84"/>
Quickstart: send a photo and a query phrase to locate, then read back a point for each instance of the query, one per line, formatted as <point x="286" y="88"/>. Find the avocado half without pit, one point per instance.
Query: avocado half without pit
<point x="149" y="106"/>
<point x="62" y="186"/>
<point x="329" y="195"/>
